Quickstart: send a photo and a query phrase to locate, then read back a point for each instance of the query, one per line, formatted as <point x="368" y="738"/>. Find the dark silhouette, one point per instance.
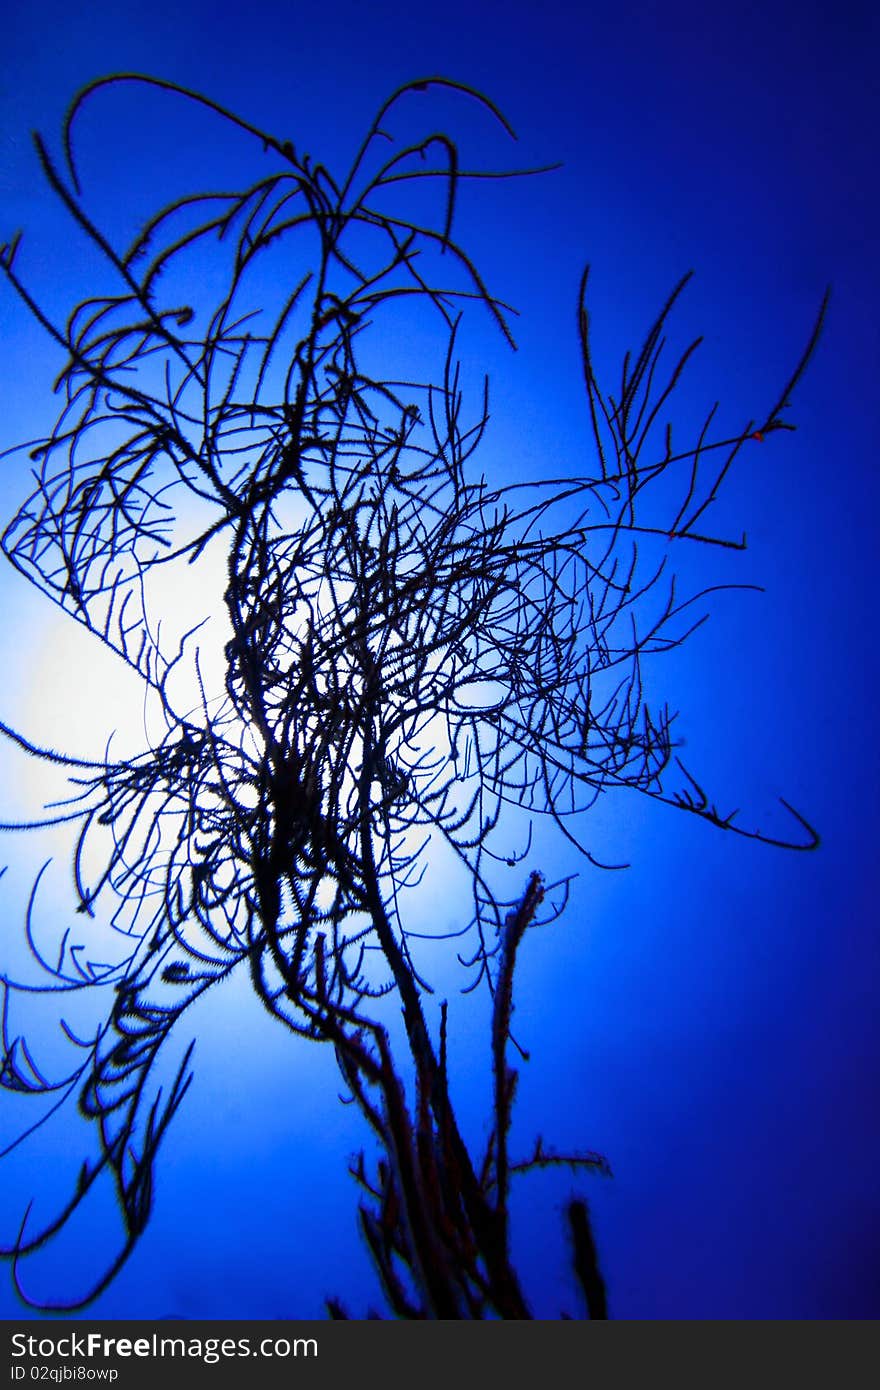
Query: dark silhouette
<point x="415" y="654"/>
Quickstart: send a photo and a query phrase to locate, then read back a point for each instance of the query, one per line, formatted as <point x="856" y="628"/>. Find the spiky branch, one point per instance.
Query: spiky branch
<point x="415" y="658"/>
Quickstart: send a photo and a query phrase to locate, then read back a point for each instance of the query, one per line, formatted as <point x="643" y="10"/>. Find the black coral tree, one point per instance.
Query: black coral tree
<point x="417" y="659"/>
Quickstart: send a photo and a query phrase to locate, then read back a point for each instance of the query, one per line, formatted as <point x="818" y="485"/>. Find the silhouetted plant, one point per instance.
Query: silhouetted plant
<point x="415" y="657"/>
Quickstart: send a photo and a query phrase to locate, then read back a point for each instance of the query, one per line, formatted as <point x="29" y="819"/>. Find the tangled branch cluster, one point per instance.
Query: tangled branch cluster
<point x="415" y="657"/>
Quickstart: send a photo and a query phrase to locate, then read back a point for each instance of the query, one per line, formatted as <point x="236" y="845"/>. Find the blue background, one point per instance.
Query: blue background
<point x="707" y="1019"/>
